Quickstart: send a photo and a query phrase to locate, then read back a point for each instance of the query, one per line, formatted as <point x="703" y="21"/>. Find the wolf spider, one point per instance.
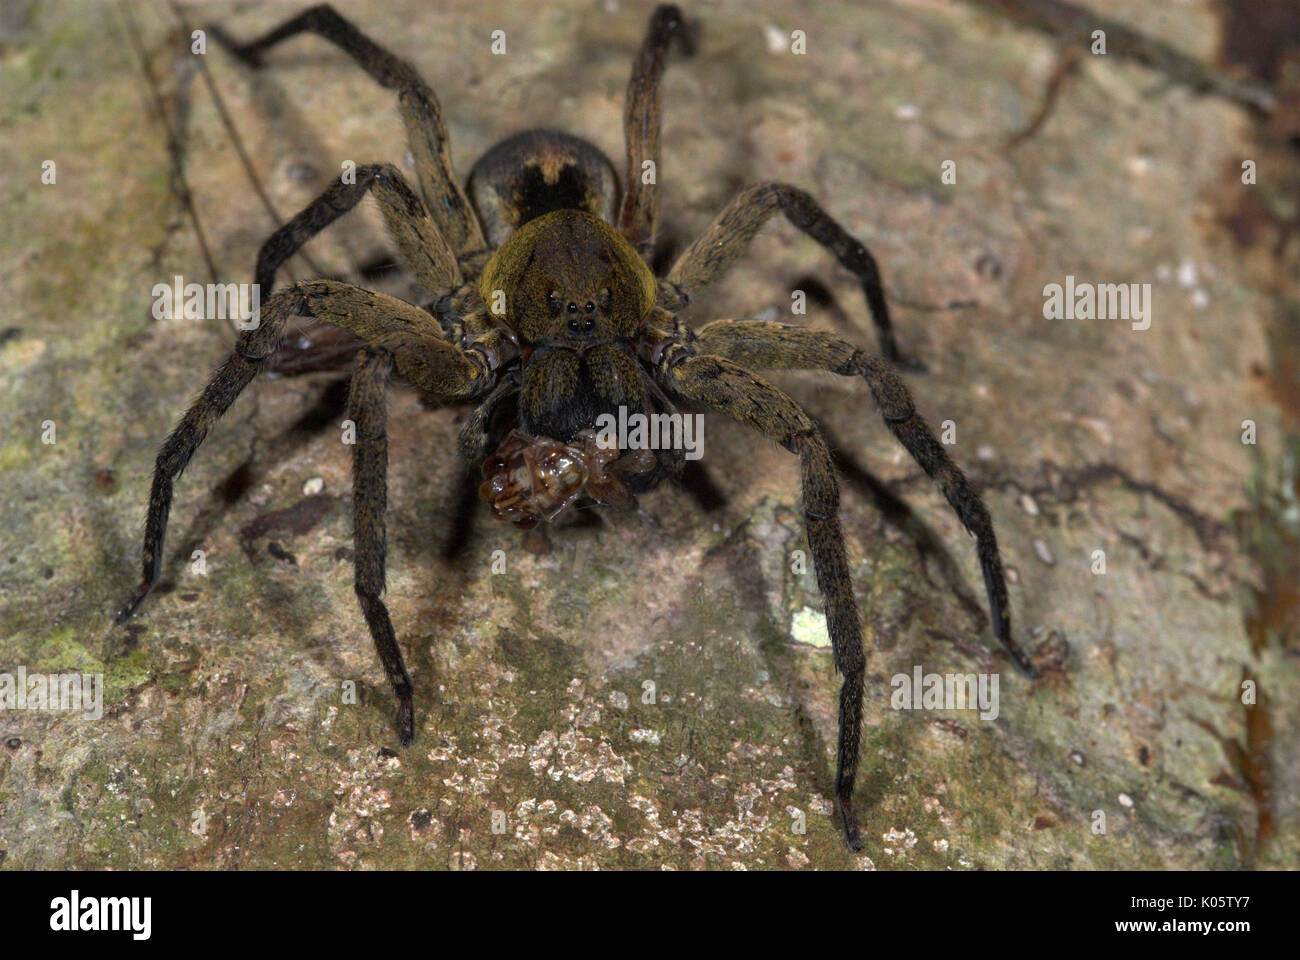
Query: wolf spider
<point x="544" y="314"/>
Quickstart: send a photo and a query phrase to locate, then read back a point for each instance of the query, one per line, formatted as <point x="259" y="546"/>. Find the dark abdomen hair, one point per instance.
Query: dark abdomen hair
<point x="538" y="171"/>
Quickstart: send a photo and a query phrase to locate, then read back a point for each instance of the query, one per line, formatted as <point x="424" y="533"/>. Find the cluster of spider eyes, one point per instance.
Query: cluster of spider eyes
<point x="578" y="324"/>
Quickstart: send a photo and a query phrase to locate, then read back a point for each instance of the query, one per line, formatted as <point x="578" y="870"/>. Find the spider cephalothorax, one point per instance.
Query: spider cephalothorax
<point x="544" y="316"/>
<point x="576" y="296"/>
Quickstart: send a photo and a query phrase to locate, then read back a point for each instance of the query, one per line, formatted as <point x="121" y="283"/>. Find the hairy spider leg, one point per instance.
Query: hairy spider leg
<point x="402" y="337"/>
<point x="426" y="128"/>
<point x="718" y="248"/>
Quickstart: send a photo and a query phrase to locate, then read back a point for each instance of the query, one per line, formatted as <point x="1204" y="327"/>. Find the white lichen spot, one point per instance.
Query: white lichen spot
<point x="313" y="486"/>
<point x="539" y="754"/>
<point x="528" y="834"/>
<point x="809" y="627"/>
<point x="903" y="839"/>
<point x="785" y="781"/>
<point x="501" y="752"/>
<point x="588" y="716"/>
<point x="443" y="753"/>
<point x="645" y="736"/>
<point x="647" y="806"/>
<point x="746" y="796"/>
<point x="1140" y="164"/>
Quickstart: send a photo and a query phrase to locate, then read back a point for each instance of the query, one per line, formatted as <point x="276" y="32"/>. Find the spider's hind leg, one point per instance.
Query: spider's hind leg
<point x="745" y="397"/>
<point x="757" y="343"/>
<point x="639" y="214"/>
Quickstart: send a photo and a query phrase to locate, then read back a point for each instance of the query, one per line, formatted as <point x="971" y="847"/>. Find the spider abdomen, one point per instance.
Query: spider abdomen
<point x="535" y="172"/>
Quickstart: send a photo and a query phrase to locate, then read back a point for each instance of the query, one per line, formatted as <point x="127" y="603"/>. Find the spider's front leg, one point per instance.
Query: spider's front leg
<point x="402" y="337"/>
<point x="426" y="128"/>
<point x="442" y="370"/>
<point x="418" y="239"/>
<point x="717" y="249"/>
<point x="743" y="396"/>
<point x="756" y="343"/>
<point x="250" y="357"/>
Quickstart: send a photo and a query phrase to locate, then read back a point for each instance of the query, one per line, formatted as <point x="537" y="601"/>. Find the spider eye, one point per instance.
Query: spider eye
<point x="603" y="299"/>
<point x="590" y="307"/>
<point x="553" y="301"/>
<point x="573" y="307"/>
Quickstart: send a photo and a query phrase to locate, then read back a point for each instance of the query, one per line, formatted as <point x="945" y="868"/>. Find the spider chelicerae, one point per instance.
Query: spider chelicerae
<point x="544" y="314"/>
